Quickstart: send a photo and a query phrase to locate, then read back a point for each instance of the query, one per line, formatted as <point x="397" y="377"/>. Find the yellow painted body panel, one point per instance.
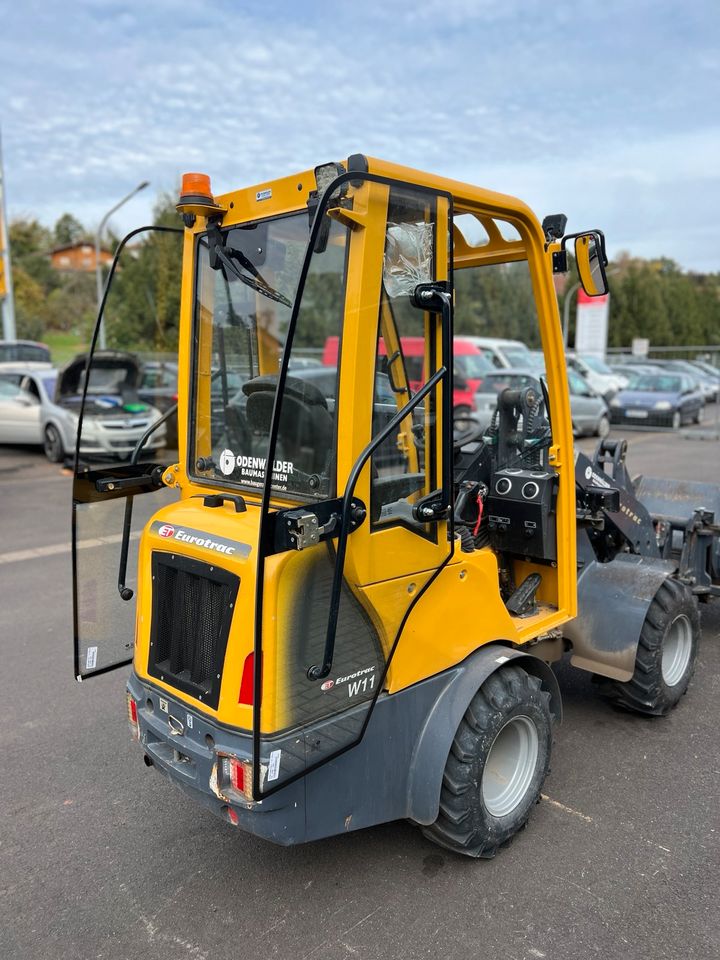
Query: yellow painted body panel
<point x="462" y="609"/>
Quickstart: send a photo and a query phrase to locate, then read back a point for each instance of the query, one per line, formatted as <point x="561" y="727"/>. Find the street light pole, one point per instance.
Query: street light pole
<point x="566" y="313"/>
<point x="102" y="342"/>
<point x="7" y="303"/>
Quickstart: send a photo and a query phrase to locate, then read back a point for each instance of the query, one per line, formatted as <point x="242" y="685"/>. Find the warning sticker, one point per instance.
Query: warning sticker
<point x="274" y="765"/>
<point x="91" y="658"/>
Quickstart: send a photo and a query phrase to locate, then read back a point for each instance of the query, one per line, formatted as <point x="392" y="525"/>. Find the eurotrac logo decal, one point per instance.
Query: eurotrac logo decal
<point x="198" y="538"/>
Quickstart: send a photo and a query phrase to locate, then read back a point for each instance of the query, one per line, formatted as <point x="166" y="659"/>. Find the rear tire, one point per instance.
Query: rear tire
<point x="52" y="444"/>
<point x="666" y="654"/>
<point x="497" y="765"/>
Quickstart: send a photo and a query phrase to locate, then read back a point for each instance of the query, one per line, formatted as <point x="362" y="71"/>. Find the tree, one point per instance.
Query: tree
<point x="143" y="308"/>
<point x="68" y="231"/>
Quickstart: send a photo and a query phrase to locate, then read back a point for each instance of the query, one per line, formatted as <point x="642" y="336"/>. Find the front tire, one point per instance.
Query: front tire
<point x="497" y="765"/>
<point x="52" y="444"/>
<point x="603" y="427"/>
<point x="676" y="421"/>
<point x="700" y="415"/>
<point x="666" y="654"/>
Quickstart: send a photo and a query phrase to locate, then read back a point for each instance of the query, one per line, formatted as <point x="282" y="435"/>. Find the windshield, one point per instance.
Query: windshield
<point x="657" y="384"/>
<point x="518" y="356"/>
<point x="241" y="329"/>
<point x="472" y="366"/>
<point x="497" y="382"/>
<point x="596" y="364"/>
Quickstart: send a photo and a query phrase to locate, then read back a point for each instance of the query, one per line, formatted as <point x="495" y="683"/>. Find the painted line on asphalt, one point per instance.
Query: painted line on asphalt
<point x="34" y="553"/>
<point x="566" y="809"/>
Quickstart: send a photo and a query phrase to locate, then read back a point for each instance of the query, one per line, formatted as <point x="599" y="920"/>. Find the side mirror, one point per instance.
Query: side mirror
<point x="591" y="260"/>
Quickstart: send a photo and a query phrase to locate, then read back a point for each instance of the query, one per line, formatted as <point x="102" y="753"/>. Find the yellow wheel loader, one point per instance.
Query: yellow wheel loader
<point x="339" y="609"/>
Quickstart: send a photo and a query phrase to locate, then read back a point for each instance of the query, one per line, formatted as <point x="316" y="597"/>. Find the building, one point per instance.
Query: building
<point x="78" y="257"/>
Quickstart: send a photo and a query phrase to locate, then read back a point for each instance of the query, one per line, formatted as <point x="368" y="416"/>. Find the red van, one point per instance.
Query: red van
<point x="469" y="366"/>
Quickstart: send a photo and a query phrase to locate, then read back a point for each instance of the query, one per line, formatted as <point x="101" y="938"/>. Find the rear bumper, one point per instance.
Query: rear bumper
<point x="189" y="760"/>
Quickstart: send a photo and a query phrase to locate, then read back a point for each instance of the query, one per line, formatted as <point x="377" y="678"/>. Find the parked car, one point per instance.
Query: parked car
<point x="43" y="406"/>
<point x="590" y="414"/>
<point x="503" y="354"/>
<point x="24" y="395"/>
<point x="24" y="351"/>
<point x="469" y="366"/>
<point x="159" y="388"/>
<point x="589" y="410"/>
<point x="662" y="399"/>
<point x="707" y="383"/>
<point x="598" y="374"/>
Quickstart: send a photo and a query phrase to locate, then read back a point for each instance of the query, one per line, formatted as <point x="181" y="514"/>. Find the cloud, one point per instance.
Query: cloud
<point x="602" y="111"/>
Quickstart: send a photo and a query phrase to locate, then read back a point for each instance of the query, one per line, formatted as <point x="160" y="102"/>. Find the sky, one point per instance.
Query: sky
<point x="608" y="112"/>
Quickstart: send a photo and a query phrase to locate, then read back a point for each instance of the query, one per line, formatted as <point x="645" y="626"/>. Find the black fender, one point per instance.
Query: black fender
<point x="435" y="739"/>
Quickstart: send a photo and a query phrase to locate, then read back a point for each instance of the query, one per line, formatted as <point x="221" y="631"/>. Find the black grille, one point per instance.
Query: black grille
<point x="192" y="608"/>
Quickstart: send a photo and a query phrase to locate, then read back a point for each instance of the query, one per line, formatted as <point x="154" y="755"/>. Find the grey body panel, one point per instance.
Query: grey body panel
<point x="613" y="600"/>
<point x="395" y="771"/>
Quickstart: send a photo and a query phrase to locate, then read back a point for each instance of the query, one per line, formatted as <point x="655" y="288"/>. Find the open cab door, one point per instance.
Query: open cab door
<point x="120" y="402"/>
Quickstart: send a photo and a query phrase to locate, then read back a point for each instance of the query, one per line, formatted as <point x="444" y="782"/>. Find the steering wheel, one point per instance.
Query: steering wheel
<point x="466" y="429"/>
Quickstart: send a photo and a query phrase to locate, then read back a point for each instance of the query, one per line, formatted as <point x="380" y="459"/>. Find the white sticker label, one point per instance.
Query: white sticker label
<point x="227" y="462"/>
<point x="189" y="717"/>
<point x="91" y="658"/>
<point x="501" y="659"/>
<point x="163" y="705"/>
<point x="274" y="766"/>
<point x="263" y="194"/>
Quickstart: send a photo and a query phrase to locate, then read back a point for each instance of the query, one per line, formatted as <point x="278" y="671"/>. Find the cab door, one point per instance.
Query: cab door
<point x="122" y="448"/>
<point x="323" y="646"/>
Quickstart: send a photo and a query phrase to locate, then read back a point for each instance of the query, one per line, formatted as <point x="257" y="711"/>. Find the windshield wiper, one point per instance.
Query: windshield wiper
<point x="220" y="256"/>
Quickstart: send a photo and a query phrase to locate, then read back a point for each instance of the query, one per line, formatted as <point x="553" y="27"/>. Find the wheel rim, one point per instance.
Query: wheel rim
<point x="52" y="442"/>
<point x="510" y="766"/>
<point x="604" y="427"/>
<point x="676" y="650"/>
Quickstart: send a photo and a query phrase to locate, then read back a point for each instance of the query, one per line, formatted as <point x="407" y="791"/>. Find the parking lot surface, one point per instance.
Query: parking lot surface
<point x="102" y="858"/>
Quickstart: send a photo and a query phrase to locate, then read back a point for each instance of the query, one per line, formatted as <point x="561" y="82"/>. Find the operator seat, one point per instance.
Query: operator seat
<point x="305" y="430"/>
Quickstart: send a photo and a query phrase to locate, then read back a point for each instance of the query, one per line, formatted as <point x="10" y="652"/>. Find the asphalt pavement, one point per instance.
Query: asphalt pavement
<point x="102" y="858"/>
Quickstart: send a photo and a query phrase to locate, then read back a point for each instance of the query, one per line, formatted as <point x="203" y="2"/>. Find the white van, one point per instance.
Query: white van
<point x="503" y="353"/>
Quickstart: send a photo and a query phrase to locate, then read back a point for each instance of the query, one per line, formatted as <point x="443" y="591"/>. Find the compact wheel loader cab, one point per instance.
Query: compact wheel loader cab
<point x="340" y="611"/>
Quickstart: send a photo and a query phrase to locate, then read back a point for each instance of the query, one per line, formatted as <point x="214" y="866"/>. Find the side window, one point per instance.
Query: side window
<point x="31" y="387"/>
<point x="404" y="467"/>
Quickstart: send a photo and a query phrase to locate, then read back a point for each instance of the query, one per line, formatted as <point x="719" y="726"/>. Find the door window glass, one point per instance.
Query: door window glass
<point x="404" y="467"/>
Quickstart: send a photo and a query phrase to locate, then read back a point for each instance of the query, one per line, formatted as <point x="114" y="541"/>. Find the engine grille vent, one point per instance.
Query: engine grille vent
<point x="192" y="609"/>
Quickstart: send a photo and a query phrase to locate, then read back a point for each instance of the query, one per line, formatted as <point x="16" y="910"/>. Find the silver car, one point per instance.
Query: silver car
<point x="42" y="406"/>
<point x="589" y="410"/>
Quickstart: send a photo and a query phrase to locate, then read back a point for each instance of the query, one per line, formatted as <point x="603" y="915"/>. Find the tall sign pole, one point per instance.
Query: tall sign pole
<point x="6" y="287"/>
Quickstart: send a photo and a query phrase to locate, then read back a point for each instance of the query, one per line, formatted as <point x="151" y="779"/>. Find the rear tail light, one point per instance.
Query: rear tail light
<point x="237" y="777"/>
<point x="133" y="717"/>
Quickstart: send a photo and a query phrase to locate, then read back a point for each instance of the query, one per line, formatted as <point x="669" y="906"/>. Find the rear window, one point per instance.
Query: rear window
<point x="24" y="353"/>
